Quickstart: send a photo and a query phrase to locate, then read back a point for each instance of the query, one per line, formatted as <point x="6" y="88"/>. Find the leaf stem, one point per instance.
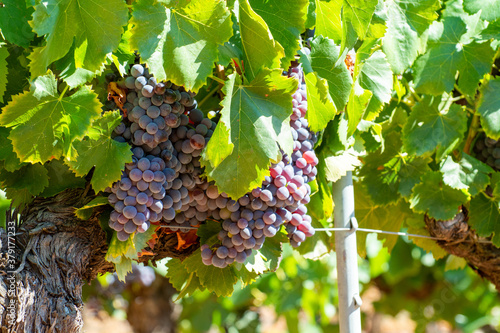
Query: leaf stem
<point x="464" y="95"/>
<point x="213" y="91"/>
<point x="410" y="105"/>
<point x="412" y="91"/>
<point x="184" y="290"/>
<point x="216" y="79"/>
<point x="63" y="92"/>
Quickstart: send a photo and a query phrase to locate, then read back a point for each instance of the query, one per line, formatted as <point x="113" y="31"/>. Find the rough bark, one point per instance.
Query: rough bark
<point x="460" y="240"/>
<point x="61" y="253"/>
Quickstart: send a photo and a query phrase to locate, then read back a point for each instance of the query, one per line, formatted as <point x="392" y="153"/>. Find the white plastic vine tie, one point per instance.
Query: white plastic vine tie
<point x="357" y="301"/>
<point x="354" y="224"/>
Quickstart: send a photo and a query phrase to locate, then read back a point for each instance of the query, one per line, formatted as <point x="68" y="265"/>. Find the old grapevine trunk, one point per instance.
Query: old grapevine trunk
<point x="57" y="254"/>
<point x="460" y="240"/>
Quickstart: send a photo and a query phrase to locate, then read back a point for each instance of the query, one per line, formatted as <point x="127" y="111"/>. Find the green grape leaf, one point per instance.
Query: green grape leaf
<point x="180" y="42"/>
<point x="271" y="250"/>
<point x="388" y="173"/>
<point x="359" y="13"/>
<point x="490" y="9"/>
<point x="477" y="60"/>
<point x="468" y="173"/>
<point x="21" y="185"/>
<point x="434" y="197"/>
<point x="33" y="177"/>
<point x="311" y="14"/>
<point x="492" y="31"/>
<point x="495" y="184"/>
<point x="259" y="47"/>
<point x="246" y="277"/>
<point x="84" y="213"/>
<point x="45" y="128"/>
<point x="7" y="154"/>
<point x="455" y="263"/>
<point x="72" y="75"/>
<point x="3" y="69"/>
<point x="14" y="16"/>
<point x="376" y="76"/>
<point x="256" y="119"/>
<point x="208" y="230"/>
<point x="177" y="273"/>
<point x="180" y="278"/>
<point x="60" y="178"/>
<point x="381" y="217"/>
<point x="410" y="172"/>
<point x="141" y="239"/>
<point x="416" y="225"/>
<point x="123" y="266"/>
<point x="320" y="106"/>
<point x="122" y="253"/>
<point x="484" y="215"/>
<point x="450" y="49"/>
<point x="94" y="28"/>
<point x="286" y="20"/>
<point x="434" y="126"/>
<point x="321" y="205"/>
<point x="328" y="19"/>
<point x="123" y="56"/>
<point x="324" y="56"/>
<point x="489" y="108"/>
<point x="406" y="21"/>
<point x="267" y="258"/>
<point x="4" y="207"/>
<point x="118" y="249"/>
<point x="380" y="171"/>
<point x="102" y="152"/>
<point x="336" y="167"/>
<point x="220" y="281"/>
<point x="358" y="103"/>
<point x="435" y="70"/>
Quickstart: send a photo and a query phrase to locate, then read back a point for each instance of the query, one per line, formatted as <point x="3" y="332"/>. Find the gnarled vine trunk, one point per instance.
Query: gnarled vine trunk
<point x="460" y="240"/>
<point x="58" y="253"/>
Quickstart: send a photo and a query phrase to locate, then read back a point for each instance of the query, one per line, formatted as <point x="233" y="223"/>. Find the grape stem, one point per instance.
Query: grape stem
<point x="215" y="78"/>
<point x="213" y="91"/>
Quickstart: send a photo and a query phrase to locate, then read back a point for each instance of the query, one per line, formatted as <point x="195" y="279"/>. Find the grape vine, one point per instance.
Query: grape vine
<point x="226" y="126"/>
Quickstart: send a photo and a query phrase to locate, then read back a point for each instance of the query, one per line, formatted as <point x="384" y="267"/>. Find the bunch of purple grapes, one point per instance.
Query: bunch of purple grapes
<point x="279" y="201"/>
<point x="167" y="134"/>
<point x="164" y="183"/>
<point x="488" y="151"/>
